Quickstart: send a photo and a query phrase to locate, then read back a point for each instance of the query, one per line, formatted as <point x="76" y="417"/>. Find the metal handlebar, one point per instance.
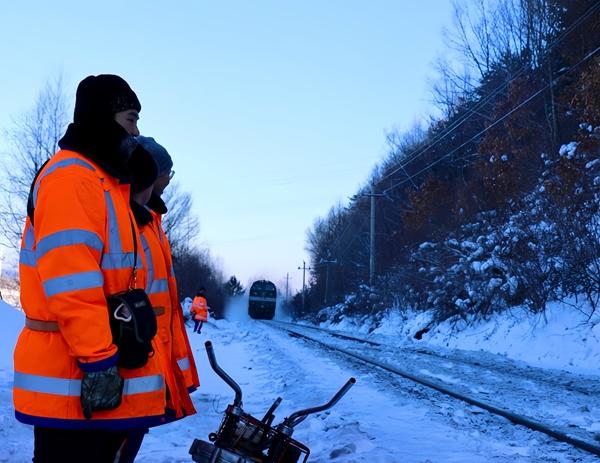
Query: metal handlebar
<point x="299" y="416"/>
<point x="268" y="418"/>
<point x="224" y="376"/>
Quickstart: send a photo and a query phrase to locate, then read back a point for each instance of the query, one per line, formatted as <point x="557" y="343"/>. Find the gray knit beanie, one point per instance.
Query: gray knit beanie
<point x="158" y="152"/>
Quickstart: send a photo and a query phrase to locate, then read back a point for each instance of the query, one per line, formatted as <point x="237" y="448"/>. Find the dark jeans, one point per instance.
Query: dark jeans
<point x="198" y="326"/>
<point x="132" y="445"/>
<point x="75" y="445"/>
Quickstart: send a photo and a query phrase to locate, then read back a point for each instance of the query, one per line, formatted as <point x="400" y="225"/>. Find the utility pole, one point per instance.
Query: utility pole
<point x="304" y="269"/>
<point x="372" y="195"/>
<point x="554" y="122"/>
<point x="287" y="285"/>
<point x="372" y="240"/>
<point x="326" y="263"/>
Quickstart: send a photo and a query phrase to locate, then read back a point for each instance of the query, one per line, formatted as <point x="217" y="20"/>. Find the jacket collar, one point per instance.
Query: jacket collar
<point x="142" y="215"/>
<point x="157" y="204"/>
<point x="108" y="145"/>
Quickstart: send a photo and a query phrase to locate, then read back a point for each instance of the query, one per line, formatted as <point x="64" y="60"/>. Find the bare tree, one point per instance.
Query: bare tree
<point x="484" y="33"/>
<point x="33" y="138"/>
<point x="180" y="225"/>
<point x="472" y="49"/>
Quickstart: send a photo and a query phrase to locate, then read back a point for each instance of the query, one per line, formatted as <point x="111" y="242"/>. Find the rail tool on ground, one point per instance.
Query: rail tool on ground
<point x="242" y="438"/>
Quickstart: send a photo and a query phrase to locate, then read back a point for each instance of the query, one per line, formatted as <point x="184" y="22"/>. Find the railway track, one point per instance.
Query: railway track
<point x="490" y="362"/>
<point x="483" y="384"/>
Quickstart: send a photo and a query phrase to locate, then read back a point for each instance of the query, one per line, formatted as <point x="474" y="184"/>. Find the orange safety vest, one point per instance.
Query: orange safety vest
<point x="157" y="289"/>
<point x="181" y="344"/>
<point x="199" y="309"/>
<point x="78" y="251"/>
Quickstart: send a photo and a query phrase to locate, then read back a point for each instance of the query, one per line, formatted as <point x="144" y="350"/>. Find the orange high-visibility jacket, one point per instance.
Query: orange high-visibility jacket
<point x="181" y="344"/>
<point x="169" y="324"/>
<point x="78" y="251"/>
<point x="199" y="309"/>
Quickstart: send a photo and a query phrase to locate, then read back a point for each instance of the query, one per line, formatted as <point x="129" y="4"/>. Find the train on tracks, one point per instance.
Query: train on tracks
<point x="262" y="300"/>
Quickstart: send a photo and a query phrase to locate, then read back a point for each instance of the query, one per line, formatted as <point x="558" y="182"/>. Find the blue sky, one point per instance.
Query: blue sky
<point x="273" y="111"/>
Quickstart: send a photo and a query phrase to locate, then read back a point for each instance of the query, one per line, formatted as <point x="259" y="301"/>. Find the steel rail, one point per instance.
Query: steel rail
<point x="513" y="417"/>
<point x="412" y="351"/>
<point x="332" y="333"/>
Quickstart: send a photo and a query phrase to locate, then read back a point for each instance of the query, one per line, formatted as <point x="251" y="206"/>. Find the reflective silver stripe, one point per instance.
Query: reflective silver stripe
<point x="184" y="363"/>
<point x="72" y="387"/>
<point x="143" y="384"/>
<point x="47" y="385"/>
<point x="29" y="238"/>
<point x="68" y="238"/>
<point x="153" y="286"/>
<point x="58" y="165"/>
<point x="171" y="271"/>
<point x="262" y="299"/>
<point x="114" y="239"/>
<point x="117" y="260"/>
<point x="27" y="254"/>
<point x="27" y="257"/>
<point x="145" y="243"/>
<point x="158" y="286"/>
<point x="149" y="262"/>
<point x="73" y="282"/>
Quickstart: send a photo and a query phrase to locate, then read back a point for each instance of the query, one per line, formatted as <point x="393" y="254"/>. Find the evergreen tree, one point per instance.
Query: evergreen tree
<point x="233" y="287"/>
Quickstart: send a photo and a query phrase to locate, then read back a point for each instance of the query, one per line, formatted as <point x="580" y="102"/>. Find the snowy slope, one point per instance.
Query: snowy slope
<point x="373" y="422"/>
<point x="15" y="438"/>
<point x="565" y="337"/>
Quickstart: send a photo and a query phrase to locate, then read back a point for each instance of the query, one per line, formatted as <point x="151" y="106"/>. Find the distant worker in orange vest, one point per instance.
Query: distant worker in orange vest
<point x="199" y="310"/>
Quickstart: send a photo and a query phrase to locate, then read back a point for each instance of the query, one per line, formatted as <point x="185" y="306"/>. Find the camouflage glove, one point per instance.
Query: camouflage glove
<point x="101" y="390"/>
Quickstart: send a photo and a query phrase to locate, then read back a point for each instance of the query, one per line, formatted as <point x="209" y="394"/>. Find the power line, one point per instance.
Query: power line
<point x="338" y="238"/>
<point x="454" y="126"/>
<point x="496" y="122"/>
<point x="498" y="89"/>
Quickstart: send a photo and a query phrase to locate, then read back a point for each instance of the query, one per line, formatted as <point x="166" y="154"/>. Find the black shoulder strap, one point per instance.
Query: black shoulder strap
<point x="133" y="280"/>
<point x="30" y="205"/>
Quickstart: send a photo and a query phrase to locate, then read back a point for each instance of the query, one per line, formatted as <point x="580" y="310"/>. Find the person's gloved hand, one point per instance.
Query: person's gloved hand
<point x="101" y="390"/>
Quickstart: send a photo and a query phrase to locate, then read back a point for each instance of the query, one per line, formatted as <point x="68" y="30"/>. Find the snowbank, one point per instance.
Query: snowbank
<point x="11" y="323"/>
<point x="372" y="424"/>
<point x="565" y="337"/>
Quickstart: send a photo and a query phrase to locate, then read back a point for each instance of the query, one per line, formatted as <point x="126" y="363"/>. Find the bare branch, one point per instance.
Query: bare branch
<point x="180" y="225"/>
<point x="33" y="138"/>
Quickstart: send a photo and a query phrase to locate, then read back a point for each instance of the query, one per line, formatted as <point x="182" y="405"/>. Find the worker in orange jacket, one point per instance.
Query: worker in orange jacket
<point x="81" y="245"/>
<point x="199" y="310"/>
<point x="175" y="351"/>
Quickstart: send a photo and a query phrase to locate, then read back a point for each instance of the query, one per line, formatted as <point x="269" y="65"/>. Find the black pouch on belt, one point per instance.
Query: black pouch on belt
<point x="133" y="325"/>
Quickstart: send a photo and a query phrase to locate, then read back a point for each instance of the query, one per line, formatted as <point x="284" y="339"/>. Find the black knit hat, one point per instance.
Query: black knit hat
<point x="143" y="168"/>
<point x="101" y="97"/>
<point x="158" y="152"/>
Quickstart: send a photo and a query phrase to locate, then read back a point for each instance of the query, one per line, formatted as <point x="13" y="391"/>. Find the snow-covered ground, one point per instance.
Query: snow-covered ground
<point x="565" y="337"/>
<point x="379" y="420"/>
